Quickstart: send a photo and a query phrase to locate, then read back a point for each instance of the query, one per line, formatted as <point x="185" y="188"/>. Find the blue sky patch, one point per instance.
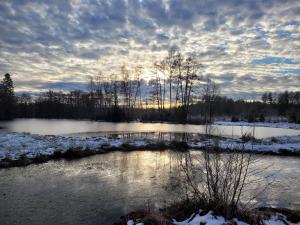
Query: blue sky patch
<point x="289" y="71"/>
<point x="274" y="60"/>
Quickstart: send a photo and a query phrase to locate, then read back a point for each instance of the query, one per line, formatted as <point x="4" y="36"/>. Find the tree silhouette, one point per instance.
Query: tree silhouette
<point x="7" y="98"/>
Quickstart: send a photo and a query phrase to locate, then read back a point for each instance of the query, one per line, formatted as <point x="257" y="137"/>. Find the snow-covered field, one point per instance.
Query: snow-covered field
<point x="15" y="146"/>
<point x="284" y="125"/>
<point x="211" y="219"/>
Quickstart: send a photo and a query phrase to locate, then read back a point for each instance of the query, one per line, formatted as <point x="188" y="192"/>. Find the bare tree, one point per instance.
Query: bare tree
<point x="161" y="81"/>
<point x="156" y="93"/>
<point x="178" y="64"/>
<point x="114" y="89"/>
<point x="167" y="66"/>
<point x="210" y="92"/>
<point x="188" y="75"/>
<point x="99" y="83"/>
<point x="138" y="93"/>
<point x="126" y="87"/>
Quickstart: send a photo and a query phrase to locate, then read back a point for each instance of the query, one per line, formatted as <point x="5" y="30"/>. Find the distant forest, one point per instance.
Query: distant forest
<point x="178" y="93"/>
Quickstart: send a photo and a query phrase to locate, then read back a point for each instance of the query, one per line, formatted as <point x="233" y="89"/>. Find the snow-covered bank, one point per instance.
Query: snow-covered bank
<point x="24" y="148"/>
<point x="16" y="146"/>
<point x="284" y="125"/>
<point x="210" y="218"/>
<point x="275" y="145"/>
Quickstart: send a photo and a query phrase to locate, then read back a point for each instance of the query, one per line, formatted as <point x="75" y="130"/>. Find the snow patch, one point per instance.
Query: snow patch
<point x="131" y="222"/>
<point x="211" y="219"/>
<point x="274" y="145"/>
<point x="260" y="124"/>
<point x="208" y="219"/>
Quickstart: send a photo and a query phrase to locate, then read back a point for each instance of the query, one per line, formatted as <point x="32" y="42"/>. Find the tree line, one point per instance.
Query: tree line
<point x="280" y="108"/>
<point x="176" y="92"/>
<point x="174" y="87"/>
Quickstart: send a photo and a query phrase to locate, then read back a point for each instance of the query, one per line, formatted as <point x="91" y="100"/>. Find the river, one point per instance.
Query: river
<point x="101" y="188"/>
<point x="86" y="127"/>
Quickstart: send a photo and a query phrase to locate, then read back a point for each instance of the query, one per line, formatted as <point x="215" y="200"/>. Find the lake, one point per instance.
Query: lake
<point x="85" y="127"/>
<point x="101" y="188"/>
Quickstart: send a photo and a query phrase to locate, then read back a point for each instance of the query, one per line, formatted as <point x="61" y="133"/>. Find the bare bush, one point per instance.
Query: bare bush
<point x="226" y="183"/>
<point x="247" y="136"/>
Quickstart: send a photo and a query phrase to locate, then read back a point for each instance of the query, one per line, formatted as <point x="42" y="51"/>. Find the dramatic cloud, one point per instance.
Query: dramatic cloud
<point x="248" y="47"/>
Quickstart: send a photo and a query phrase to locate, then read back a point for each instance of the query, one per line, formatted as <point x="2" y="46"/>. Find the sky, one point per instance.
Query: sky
<point x="247" y="46"/>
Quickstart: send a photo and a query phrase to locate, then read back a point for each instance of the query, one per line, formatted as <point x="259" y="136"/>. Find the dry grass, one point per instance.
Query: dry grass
<point x="147" y="216"/>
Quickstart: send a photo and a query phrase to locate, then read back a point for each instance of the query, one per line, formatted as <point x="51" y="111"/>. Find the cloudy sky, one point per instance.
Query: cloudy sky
<point x="247" y="46"/>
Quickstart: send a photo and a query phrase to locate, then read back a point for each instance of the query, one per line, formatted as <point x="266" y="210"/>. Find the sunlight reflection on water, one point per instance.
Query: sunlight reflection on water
<point x="85" y="127"/>
<point x="100" y="188"/>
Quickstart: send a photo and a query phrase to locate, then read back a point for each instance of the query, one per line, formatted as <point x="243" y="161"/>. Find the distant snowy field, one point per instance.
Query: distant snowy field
<point x="284" y="125"/>
<point x="14" y="146"/>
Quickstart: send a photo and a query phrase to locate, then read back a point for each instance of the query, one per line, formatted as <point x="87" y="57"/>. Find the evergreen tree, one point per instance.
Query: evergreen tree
<point x="7" y="98"/>
<point x="264" y="97"/>
<point x="1" y="101"/>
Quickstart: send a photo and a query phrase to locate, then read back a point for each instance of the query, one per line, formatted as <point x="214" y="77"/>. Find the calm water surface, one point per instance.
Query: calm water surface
<point x="101" y="188"/>
<point x="82" y="127"/>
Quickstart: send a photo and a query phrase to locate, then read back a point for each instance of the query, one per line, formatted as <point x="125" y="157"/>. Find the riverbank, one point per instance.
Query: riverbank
<point x="181" y="215"/>
<point x="21" y="149"/>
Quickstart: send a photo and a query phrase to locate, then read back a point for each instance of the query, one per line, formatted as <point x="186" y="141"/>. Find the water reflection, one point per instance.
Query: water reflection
<point x="154" y="136"/>
<point x="76" y="127"/>
<point x="98" y="189"/>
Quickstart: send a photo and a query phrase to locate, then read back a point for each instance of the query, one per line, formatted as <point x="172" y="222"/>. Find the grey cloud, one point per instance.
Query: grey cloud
<point x="60" y="86"/>
<point x="58" y="39"/>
